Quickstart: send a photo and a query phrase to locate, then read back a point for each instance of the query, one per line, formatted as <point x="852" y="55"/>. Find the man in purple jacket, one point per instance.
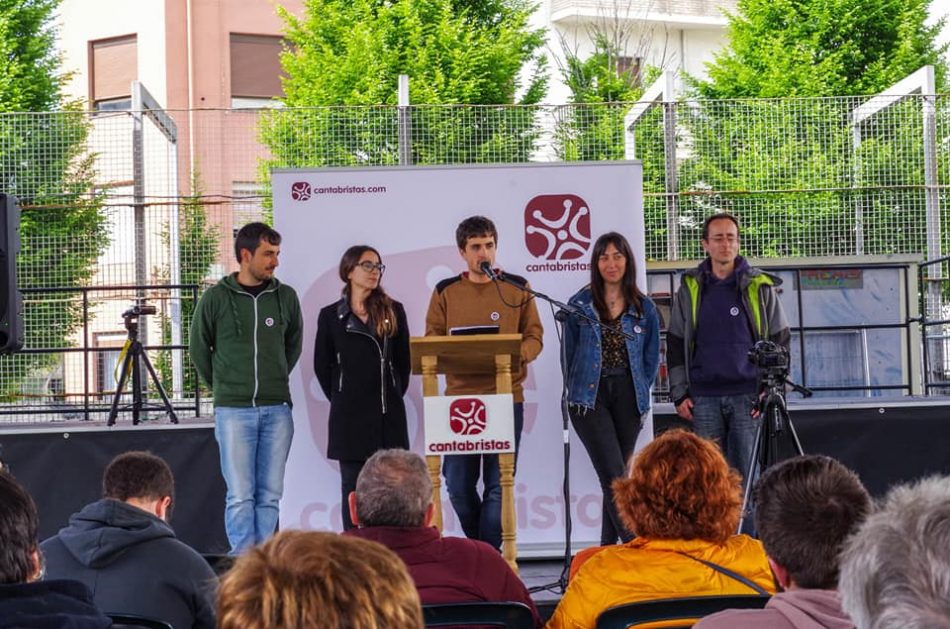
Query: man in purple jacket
<point x="392" y="505"/>
<point x="807" y="507"/>
<point x="723" y="307"/>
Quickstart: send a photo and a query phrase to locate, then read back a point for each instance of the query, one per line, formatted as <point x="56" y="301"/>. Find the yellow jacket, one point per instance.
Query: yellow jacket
<point x="646" y="569"/>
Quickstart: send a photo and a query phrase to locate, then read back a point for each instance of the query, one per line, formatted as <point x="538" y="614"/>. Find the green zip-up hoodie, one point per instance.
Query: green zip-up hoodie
<point x="244" y="347"/>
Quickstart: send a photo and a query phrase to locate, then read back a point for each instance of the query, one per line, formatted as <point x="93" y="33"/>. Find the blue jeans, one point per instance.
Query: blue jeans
<point x="254" y="443"/>
<point x="727" y="420"/>
<point x="480" y="516"/>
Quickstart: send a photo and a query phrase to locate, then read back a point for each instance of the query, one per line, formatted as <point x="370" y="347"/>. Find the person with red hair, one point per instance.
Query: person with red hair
<point x="682" y="501"/>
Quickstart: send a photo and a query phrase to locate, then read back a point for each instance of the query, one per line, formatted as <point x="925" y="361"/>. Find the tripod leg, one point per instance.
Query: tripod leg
<point x="123" y="376"/>
<point x="791" y="428"/>
<point x="160" y="388"/>
<point x="134" y="351"/>
<point x="750" y="473"/>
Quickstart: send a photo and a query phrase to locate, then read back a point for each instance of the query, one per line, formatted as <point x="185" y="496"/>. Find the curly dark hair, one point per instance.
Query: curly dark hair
<point x="680" y="487"/>
<point x="475" y="227"/>
<point x="19" y="524"/>
<point x="250" y="236"/>
<point x="138" y="474"/>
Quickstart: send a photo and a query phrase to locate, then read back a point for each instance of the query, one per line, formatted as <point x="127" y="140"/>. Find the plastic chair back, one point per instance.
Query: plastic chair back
<point x="669" y="611"/>
<point x="511" y="615"/>
<point x="134" y="621"/>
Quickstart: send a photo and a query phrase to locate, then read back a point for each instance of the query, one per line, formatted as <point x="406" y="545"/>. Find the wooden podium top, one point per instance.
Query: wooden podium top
<point x="465" y="354"/>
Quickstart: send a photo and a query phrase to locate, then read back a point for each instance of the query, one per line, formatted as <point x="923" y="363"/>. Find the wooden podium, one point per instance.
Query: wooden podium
<point x="473" y="354"/>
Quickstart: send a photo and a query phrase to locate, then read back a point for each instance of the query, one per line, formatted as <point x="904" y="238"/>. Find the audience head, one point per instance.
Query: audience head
<point x="142" y="479"/>
<point x="805" y="509"/>
<point x="680" y="487"/>
<point x="393" y="489"/>
<point x="316" y="579"/>
<point x="895" y="570"/>
<point x="19" y="557"/>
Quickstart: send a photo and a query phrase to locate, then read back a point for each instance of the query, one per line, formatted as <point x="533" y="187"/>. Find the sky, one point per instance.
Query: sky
<point x="938" y="9"/>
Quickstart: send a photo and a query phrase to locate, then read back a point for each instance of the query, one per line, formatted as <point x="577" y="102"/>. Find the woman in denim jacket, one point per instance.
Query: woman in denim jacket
<point x="609" y="377"/>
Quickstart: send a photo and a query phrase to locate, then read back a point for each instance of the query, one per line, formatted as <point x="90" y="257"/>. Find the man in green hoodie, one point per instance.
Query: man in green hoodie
<point x="245" y="339"/>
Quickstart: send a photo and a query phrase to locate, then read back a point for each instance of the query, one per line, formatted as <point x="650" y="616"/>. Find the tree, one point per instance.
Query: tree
<point x="351" y="52"/>
<point x="197" y="253"/>
<point x="596" y="132"/>
<point x="789" y="167"/>
<point x="783" y="48"/>
<point x="43" y="162"/>
<point x="602" y="91"/>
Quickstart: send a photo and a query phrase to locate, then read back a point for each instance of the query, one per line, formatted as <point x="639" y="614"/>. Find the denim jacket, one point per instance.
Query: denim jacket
<point x="583" y="358"/>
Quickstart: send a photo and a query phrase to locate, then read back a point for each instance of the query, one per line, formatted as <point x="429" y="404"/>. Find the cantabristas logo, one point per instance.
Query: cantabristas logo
<point x="468" y="416"/>
<point x="300" y="191"/>
<point x="557" y="229"/>
<point x="469" y="424"/>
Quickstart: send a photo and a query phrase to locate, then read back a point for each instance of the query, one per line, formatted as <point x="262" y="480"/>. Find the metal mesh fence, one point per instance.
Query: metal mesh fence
<point x="101" y="210"/>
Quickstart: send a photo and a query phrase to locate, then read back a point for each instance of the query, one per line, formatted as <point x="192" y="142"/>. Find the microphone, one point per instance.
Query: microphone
<point x="485" y="267"/>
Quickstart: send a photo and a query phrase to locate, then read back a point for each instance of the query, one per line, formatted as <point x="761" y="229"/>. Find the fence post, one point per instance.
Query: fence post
<point x="919" y="82"/>
<point x="671" y="177"/>
<point x="144" y="105"/>
<point x="405" y="122"/>
<point x="931" y="196"/>
<point x="857" y="177"/>
<point x="138" y="205"/>
<point x="663" y="92"/>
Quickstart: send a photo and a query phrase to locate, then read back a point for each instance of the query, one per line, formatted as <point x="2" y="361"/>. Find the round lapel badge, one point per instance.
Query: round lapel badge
<point x="269" y="322"/>
<point x="637" y="329"/>
<point x="734" y="311"/>
<point x="495" y="316"/>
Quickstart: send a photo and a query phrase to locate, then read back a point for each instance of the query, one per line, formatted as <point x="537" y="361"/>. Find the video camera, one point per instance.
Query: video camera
<point x="139" y="310"/>
<point x="771" y="358"/>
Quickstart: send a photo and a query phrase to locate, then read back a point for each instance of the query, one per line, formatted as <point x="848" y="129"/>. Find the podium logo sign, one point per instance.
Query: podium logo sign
<point x="557" y="227"/>
<point x="469" y="424"/>
<point x="467" y="416"/>
<point x="300" y="191"/>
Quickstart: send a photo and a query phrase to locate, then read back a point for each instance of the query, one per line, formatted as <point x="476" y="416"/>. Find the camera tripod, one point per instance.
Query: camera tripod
<point x="775" y="438"/>
<point x="132" y="357"/>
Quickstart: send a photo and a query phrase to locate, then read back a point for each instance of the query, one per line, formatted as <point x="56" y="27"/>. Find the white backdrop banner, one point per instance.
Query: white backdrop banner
<point x="547" y="215"/>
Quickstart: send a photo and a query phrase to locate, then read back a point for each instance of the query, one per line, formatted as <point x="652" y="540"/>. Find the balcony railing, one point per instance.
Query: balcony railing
<point x="711" y="12"/>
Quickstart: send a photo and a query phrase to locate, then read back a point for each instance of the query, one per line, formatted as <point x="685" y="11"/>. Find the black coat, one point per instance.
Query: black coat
<point x="365" y="379"/>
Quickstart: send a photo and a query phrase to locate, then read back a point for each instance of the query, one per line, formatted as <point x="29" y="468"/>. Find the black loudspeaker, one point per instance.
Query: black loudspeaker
<point x="11" y="303"/>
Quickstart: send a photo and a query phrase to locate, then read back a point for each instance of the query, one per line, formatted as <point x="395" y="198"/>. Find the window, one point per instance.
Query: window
<point x="631" y="67"/>
<point x="248" y="204"/>
<point x="255" y="70"/>
<point x="113" y="65"/>
<point x="107" y="361"/>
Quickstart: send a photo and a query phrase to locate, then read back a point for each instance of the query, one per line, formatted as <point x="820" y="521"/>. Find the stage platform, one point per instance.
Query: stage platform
<point x="61" y="464"/>
<point x="887" y="441"/>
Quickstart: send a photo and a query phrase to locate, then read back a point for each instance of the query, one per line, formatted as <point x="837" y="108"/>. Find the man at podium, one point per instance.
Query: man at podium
<point x="471" y="300"/>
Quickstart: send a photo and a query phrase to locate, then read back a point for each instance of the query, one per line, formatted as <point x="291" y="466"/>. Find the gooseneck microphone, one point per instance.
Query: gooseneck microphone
<point x="485" y="268"/>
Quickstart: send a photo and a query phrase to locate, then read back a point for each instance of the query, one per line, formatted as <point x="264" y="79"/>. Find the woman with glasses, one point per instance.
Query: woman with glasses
<point x="361" y="360"/>
<point x="609" y="375"/>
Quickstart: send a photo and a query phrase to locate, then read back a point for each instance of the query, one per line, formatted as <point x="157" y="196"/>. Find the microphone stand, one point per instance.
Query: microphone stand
<point x="564" y="312"/>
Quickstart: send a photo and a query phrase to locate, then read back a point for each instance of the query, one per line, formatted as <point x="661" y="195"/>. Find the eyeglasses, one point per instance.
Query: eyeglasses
<point x="369" y="267"/>
<point x="721" y="239"/>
